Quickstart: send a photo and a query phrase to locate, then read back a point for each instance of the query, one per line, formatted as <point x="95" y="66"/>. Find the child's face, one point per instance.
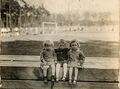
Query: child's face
<point x="62" y="46"/>
<point x="74" y="46"/>
<point x="48" y="47"/>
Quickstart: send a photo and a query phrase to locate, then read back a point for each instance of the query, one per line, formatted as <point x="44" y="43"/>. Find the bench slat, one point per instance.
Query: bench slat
<point x="19" y="64"/>
<point x="31" y="84"/>
<point x="90" y="62"/>
<point x="37" y="58"/>
<point x="19" y="57"/>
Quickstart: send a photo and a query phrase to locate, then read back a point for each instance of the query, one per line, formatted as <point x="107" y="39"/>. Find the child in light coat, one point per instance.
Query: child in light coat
<point x="48" y="59"/>
<point x="75" y="60"/>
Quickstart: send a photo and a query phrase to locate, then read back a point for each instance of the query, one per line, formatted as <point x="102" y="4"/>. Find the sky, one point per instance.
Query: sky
<point x="62" y="6"/>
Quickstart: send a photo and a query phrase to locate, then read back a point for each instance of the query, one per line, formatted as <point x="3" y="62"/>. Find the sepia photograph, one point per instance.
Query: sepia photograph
<point x="59" y="44"/>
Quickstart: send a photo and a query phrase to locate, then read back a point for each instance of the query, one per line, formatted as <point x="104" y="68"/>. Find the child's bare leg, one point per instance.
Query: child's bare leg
<point x="76" y="74"/>
<point x="53" y="69"/>
<point x="70" y="75"/>
<point x="45" y="71"/>
<point x="64" y="70"/>
<point x="45" y="68"/>
<point x="57" y="71"/>
<point x="53" y="72"/>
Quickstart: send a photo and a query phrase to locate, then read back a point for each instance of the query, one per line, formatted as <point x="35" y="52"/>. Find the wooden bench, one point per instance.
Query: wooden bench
<point x="95" y="68"/>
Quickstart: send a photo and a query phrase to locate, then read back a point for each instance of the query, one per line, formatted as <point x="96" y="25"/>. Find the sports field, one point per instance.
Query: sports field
<point x="100" y="48"/>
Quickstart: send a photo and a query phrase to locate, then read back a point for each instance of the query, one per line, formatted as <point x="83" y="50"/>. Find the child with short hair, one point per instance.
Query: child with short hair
<point x="62" y="57"/>
<point x="48" y="59"/>
<point x="75" y="60"/>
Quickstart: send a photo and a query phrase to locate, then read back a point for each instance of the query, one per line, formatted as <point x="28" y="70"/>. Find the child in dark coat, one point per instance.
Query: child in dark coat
<point x="62" y="57"/>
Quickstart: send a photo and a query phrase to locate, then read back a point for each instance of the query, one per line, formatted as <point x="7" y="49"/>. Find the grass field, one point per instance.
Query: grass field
<point x="93" y="43"/>
<point x="90" y="48"/>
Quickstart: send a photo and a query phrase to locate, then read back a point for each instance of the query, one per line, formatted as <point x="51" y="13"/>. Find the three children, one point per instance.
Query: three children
<point x="71" y="58"/>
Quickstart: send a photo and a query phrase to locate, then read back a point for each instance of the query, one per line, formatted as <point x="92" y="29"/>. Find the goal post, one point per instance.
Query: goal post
<point x="49" y="27"/>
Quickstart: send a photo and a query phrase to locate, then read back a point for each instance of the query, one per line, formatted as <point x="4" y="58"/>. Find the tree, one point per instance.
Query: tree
<point x="10" y="12"/>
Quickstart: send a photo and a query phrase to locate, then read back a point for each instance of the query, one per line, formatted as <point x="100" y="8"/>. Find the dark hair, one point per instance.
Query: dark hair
<point x="47" y="43"/>
<point x="62" y="41"/>
<point x="74" y="41"/>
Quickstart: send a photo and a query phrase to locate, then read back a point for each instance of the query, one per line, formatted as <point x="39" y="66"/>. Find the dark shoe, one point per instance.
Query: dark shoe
<point x="45" y="80"/>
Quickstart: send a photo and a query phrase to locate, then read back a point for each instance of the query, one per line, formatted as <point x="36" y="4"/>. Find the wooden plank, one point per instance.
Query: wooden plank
<point x="97" y="65"/>
<point x="30" y="57"/>
<point x="19" y="64"/>
<point x="20" y="57"/>
<point x="27" y="84"/>
<point x="90" y="62"/>
<point x="87" y="74"/>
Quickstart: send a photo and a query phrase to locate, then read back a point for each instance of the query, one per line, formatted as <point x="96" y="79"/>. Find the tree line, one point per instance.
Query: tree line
<point x="12" y="12"/>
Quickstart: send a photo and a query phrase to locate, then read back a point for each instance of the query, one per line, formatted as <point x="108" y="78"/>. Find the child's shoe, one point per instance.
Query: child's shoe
<point x="52" y="78"/>
<point x="0" y="85"/>
<point x="45" y="80"/>
<point x="74" y="82"/>
<point x="63" y="79"/>
<point x="70" y="81"/>
<point x="57" y="80"/>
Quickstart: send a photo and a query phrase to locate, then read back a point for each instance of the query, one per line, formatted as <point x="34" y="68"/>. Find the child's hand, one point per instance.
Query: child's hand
<point x="81" y="61"/>
<point x="55" y="62"/>
<point x="78" y="64"/>
<point x="82" y="66"/>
